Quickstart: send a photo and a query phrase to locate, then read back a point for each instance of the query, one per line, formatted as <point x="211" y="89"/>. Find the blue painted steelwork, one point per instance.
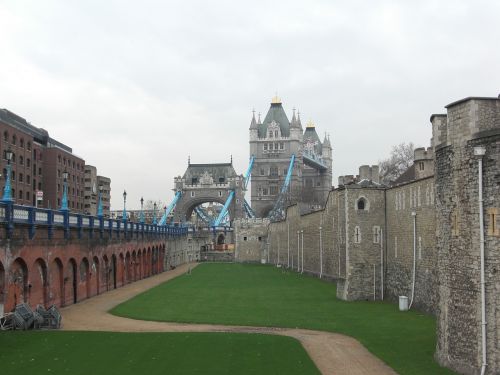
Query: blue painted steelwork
<point x="7" y="190"/>
<point x="278" y="211"/>
<point x="99" y="206"/>
<point x="170" y="207"/>
<point x="154" y="214"/>
<point x="248" y="210"/>
<point x="249" y="171"/>
<point x="314" y="161"/>
<point x="203" y="215"/>
<point x="64" y="202"/>
<point x="37" y="219"/>
<point x="223" y="212"/>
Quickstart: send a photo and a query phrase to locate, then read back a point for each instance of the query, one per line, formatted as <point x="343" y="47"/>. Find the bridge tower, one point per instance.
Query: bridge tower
<point x="273" y="142"/>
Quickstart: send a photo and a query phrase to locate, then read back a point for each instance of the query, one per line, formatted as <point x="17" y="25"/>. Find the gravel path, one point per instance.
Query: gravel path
<point x="332" y="353"/>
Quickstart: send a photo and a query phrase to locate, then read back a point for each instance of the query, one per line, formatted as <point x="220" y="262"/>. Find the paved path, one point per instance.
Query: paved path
<point x="332" y="353"/>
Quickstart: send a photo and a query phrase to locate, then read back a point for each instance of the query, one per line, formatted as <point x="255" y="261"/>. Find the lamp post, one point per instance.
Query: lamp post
<point x="141" y="218"/>
<point x="154" y="214"/>
<point x="124" y="214"/>
<point x="7" y="190"/>
<point x="64" y="203"/>
<point x="99" y="204"/>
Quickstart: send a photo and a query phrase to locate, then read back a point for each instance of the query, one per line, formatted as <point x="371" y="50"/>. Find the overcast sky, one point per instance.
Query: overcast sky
<point x="136" y="87"/>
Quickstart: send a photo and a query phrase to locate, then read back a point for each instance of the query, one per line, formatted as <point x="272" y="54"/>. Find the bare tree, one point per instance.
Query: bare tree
<point x="399" y="161"/>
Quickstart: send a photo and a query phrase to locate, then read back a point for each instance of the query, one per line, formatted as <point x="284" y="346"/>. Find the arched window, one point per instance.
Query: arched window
<point x="362" y="204"/>
<point x="21" y="160"/>
<point x="21" y="142"/>
<point x="14" y="139"/>
<point x="29" y="146"/>
<point x="6" y="136"/>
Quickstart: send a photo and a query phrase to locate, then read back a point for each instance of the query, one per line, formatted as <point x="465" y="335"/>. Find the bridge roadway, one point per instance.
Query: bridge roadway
<point x="331" y="352"/>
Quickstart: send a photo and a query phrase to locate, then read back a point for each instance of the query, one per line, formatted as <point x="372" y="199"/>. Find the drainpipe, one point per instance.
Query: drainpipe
<point x="382" y="264"/>
<point x="320" y="254"/>
<point x="298" y="250"/>
<point x="480" y="151"/>
<point x="414" y="214"/>
<point x="288" y="244"/>
<point x="302" y="258"/>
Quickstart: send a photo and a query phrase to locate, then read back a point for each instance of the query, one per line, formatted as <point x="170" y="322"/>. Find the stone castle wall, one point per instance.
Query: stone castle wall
<point x="402" y="201"/>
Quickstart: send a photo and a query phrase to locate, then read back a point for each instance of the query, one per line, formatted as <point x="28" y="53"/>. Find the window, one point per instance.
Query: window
<point x="376" y="234"/>
<point x="39" y="186"/>
<point x="194" y="180"/>
<point x="27" y="195"/>
<point x="39" y="171"/>
<point x="273" y="171"/>
<point x="21" y="160"/>
<point x="421" y="165"/>
<point x="265" y="146"/>
<point x="13" y="157"/>
<point x="222" y="180"/>
<point x="34" y="154"/>
<point x="29" y="146"/>
<point x="192" y="194"/>
<point x="28" y="162"/>
<point x="21" y="177"/>
<point x="28" y="179"/>
<point x="357" y="235"/>
<point x="220" y="193"/>
<point x="262" y="172"/>
<point x="273" y="190"/>
<point x="276" y="134"/>
<point x="282" y="146"/>
<point x="318" y="183"/>
<point x="362" y="204"/>
<point x="244" y="238"/>
<point x="13" y="175"/>
<point x="270" y="133"/>
<point x="493" y="229"/>
<point x="6" y="136"/>
<point x="264" y="191"/>
<point x="21" y="142"/>
<point x="285" y="171"/>
<point x="20" y="194"/>
<point x="14" y="139"/>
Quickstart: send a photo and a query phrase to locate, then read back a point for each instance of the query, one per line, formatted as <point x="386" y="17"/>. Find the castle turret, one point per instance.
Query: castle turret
<point x="254" y="128"/>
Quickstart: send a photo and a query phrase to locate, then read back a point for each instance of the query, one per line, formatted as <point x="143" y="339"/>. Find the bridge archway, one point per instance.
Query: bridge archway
<point x="56" y="282"/>
<point x="71" y="280"/>
<point x="19" y="281"/>
<point x="39" y="283"/>
<point x="96" y="273"/>
<point x="204" y="183"/>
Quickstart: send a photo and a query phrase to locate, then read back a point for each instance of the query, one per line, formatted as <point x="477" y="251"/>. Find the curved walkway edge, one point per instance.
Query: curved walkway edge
<point x="331" y="352"/>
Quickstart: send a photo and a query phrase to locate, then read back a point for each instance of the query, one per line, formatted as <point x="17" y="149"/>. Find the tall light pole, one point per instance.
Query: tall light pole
<point x="64" y="203"/>
<point x="7" y="190"/>
<point x="154" y="214"/>
<point x="141" y="218"/>
<point x="99" y="204"/>
<point x="124" y="214"/>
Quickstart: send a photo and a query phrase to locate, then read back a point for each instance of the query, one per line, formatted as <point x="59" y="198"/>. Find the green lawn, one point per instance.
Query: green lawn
<point x="257" y="295"/>
<point x="151" y="353"/>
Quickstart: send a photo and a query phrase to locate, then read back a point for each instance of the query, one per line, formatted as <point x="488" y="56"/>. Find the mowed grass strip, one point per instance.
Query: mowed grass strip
<point x="255" y="295"/>
<point x="151" y="353"/>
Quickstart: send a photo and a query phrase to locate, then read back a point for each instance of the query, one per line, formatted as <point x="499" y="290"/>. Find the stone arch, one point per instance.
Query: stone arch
<point x="56" y="282"/>
<point x="148" y="261"/>
<point x="139" y="263"/>
<point x="18" y="283"/>
<point x="221" y="239"/>
<point x="96" y="273"/>
<point x="85" y="276"/>
<point x="106" y="272"/>
<point x="187" y="204"/>
<point x="71" y="282"/>
<point x="113" y="271"/>
<point x="134" y="265"/>
<point x="128" y="267"/>
<point x="38" y="283"/>
<point x="121" y="268"/>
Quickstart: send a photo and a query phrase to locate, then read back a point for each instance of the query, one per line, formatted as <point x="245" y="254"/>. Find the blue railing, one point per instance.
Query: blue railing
<point x="13" y="216"/>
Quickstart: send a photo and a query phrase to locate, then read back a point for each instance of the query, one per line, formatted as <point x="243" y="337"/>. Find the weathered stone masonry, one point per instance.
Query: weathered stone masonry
<point x="369" y="248"/>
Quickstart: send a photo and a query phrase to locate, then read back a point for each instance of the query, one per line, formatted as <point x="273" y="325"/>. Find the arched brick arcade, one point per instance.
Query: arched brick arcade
<point x="65" y="275"/>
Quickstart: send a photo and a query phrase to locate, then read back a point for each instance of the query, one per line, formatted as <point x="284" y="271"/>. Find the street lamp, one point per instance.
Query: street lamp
<point x="7" y="190"/>
<point x="124" y="214"/>
<point x="99" y="204"/>
<point x="141" y="218"/>
<point x="154" y="214"/>
<point x="64" y="203"/>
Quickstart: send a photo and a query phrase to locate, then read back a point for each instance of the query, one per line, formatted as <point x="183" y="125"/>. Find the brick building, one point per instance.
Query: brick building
<point x="38" y="164"/>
